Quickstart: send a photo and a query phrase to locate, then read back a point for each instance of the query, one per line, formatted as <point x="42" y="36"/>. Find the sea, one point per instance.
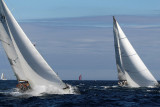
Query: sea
<point x="89" y="93"/>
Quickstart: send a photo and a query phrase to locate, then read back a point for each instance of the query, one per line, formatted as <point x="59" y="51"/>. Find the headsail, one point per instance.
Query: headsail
<point x="135" y="71"/>
<point x="121" y="75"/>
<point x="5" y="38"/>
<point x="24" y="58"/>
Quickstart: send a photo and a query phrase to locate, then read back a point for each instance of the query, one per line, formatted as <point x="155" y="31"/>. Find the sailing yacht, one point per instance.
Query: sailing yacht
<point x="132" y="71"/>
<point x="2" y="77"/>
<point x="80" y="77"/>
<point x="26" y="62"/>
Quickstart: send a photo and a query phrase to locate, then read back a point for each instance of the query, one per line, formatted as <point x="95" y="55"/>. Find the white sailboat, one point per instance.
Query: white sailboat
<point x="131" y="69"/>
<point x="25" y="60"/>
<point x="2" y="77"/>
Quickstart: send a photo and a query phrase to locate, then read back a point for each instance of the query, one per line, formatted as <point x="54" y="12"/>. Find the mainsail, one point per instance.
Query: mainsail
<point x="129" y="65"/>
<point x="25" y="60"/>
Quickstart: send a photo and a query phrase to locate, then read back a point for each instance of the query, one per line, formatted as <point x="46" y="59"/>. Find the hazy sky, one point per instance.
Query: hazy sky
<point x="29" y="9"/>
<point x="76" y="37"/>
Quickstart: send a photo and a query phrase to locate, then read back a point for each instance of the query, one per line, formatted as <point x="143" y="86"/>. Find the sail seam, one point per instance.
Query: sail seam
<point x="122" y="38"/>
<point x="137" y="70"/>
<point x="128" y="55"/>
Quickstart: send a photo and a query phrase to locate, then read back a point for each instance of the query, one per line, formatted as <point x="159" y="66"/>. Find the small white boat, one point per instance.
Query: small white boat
<point x="3" y="77"/>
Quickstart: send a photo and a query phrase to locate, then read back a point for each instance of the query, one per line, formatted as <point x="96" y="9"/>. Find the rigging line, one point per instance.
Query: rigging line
<point x="5" y="42"/>
<point x="117" y="46"/>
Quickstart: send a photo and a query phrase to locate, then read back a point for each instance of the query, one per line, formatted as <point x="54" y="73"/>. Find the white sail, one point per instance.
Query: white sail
<point x="2" y="77"/>
<point x="8" y="46"/>
<point x="25" y="60"/>
<point x="135" y="71"/>
<point x="121" y="75"/>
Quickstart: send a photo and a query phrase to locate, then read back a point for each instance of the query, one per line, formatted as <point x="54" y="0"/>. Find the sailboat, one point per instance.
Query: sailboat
<point x="132" y="71"/>
<point x="80" y="77"/>
<point x="26" y="62"/>
<point x="2" y="77"/>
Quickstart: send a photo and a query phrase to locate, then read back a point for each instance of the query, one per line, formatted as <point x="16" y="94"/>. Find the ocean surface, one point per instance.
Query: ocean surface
<point x="92" y="93"/>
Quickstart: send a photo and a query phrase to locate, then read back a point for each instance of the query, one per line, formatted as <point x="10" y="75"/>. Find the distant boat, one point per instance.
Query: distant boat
<point x="2" y="77"/>
<point x="27" y="63"/>
<point x="80" y="77"/>
<point x="131" y="69"/>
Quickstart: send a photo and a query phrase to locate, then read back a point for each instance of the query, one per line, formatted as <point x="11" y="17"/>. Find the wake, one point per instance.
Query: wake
<point x="41" y="91"/>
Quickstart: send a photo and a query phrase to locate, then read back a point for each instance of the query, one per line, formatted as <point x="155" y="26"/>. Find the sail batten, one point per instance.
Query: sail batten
<point x="135" y="71"/>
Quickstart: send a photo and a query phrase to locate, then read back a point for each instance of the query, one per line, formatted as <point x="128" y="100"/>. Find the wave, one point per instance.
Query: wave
<point x="41" y="91"/>
<point x="114" y="86"/>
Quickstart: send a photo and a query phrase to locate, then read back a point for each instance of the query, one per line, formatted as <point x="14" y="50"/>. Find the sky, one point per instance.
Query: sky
<point x="33" y="9"/>
<point x="75" y="36"/>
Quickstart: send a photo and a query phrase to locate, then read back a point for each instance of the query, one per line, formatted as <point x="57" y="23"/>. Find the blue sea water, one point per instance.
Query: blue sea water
<point x="92" y="93"/>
